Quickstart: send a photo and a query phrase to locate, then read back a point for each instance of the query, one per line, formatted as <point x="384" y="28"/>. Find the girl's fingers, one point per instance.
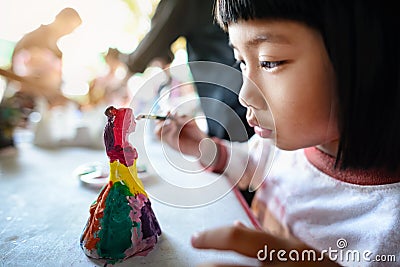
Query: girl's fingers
<point x="237" y="238"/>
<point x="253" y="243"/>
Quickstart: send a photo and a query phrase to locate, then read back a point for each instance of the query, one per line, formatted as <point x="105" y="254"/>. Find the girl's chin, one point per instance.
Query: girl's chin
<point x="262" y="132"/>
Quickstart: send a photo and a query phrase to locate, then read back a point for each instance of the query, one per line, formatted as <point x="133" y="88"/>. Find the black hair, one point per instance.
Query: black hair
<point x="362" y="41"/>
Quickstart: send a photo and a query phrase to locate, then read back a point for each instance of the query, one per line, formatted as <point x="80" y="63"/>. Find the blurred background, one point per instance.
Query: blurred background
<point x="119" y="24"/>
<point x="107" y="26"/>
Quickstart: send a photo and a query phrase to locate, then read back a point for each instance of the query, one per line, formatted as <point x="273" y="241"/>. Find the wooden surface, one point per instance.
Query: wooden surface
<point x="44" y="207"/>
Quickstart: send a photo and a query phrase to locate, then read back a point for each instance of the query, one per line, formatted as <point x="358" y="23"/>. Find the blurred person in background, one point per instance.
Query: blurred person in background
<point x="109" y="88"/>
<point x="36" y="65"/>
<point x="205" y="41"/>
<point x="193" y="20"/>
<point x="38" y="59"/>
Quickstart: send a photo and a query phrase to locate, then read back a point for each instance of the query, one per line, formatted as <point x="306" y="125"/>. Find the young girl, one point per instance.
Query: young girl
<point x="322" y="91"/>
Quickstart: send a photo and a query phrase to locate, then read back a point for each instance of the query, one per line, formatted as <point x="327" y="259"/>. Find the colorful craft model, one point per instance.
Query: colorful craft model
<point x="121" y="223"/>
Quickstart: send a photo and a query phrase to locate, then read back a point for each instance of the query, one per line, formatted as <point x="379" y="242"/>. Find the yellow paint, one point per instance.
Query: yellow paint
<point x="128" y="176"/>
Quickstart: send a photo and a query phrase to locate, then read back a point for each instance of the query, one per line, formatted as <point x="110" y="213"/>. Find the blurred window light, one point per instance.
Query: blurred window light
<point x="75" y="88"/>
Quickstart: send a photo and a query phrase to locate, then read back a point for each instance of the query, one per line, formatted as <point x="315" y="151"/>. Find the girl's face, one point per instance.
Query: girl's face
<point x="289" y="83"/>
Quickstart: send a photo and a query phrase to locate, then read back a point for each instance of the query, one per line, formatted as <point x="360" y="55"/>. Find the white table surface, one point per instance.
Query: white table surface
<point x="44" y="207"/>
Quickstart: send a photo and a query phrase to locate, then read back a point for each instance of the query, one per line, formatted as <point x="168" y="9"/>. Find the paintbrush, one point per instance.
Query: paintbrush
<point x="152" y="117"/>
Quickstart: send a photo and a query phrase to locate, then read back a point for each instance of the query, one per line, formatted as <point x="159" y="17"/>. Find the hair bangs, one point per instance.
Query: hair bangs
<point x="232" y="11"/>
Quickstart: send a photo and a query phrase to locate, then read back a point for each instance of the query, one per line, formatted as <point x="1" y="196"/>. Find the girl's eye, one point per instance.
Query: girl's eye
<point x="270" y="64"/>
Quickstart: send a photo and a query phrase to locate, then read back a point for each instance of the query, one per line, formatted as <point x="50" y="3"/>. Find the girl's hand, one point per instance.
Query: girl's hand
<point x="181" y="133"/>
<point x="251" y="243"/>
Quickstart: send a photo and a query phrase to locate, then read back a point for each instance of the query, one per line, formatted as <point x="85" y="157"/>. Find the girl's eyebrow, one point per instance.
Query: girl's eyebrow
<point x="264" y="37"/>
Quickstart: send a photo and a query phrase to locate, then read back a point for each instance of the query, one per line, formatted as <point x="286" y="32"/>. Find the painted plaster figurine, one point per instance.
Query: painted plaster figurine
<point x="121" y="223"/>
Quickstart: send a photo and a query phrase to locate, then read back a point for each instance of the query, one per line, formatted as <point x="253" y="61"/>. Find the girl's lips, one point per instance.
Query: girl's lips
<point x="262" y="132"/>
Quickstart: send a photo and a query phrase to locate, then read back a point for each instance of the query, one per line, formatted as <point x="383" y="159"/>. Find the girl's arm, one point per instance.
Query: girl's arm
<point x="259" y="244"/>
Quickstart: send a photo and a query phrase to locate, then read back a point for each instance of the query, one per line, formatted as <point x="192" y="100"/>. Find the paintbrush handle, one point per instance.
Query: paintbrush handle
<point x="152" y="117"/>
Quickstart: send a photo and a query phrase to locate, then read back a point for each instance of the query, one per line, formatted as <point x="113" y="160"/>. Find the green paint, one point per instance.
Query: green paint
<point x="116" y="225"/>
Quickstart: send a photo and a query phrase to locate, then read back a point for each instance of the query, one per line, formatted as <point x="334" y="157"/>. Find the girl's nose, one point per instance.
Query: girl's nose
<point x="243" y="102"/>
<point x="250" y="94"/>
